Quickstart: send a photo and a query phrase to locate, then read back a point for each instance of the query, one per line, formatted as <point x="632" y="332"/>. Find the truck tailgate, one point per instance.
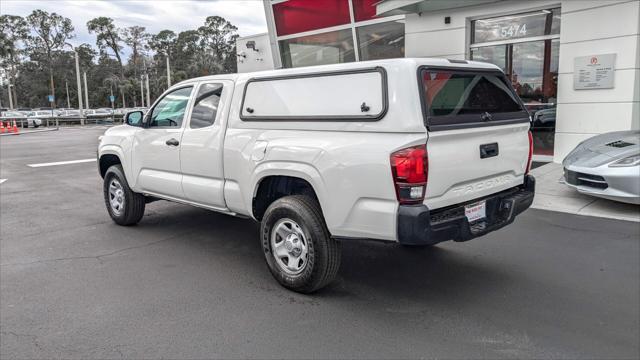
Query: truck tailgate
<point x="478" y="134"/>
<point x="457" y="173"/>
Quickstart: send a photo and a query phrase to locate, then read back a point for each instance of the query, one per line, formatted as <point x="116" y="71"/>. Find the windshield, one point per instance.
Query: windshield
<point x="455" y="97"/>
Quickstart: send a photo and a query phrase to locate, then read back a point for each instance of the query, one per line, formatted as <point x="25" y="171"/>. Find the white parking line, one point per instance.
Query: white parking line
<point x="61" y="163"/>
<point x="2" y="180"/>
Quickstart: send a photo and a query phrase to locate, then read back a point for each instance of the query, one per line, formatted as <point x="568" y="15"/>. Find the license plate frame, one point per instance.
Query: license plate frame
<point x="476" y="211"/>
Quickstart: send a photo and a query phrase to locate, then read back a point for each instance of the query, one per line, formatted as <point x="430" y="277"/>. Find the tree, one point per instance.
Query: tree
<point x="186" y="48"/>
<point x="218" y="37"/>
<point x="136" y="38"/>
<point x="33" y="55"/>
<point x="107" y="37"/>
<point x="51" y="33"/>
<point x="14" y="31"/>
<point x="163" y="41"/>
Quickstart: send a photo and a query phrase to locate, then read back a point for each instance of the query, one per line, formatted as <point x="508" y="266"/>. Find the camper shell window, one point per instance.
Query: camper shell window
<point x="351" y="95"/>
<point x="463" y="98"/>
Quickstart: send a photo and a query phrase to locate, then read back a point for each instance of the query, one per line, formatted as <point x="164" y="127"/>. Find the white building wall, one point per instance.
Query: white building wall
<point x="589" y="27"/>
<point x="249" y="60"/>
<point x="593" y="28"/>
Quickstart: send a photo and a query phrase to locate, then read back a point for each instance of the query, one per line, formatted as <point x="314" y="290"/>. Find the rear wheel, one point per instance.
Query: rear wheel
<point x="298" y="248"/>
<point x="124" y="206"/>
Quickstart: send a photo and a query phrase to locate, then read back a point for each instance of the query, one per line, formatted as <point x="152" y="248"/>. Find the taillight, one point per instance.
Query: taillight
<point x="410" y="168"/>
<point x="530" y="154"/>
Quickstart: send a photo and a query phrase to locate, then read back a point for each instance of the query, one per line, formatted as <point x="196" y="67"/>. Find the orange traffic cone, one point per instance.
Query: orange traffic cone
<point x="1" y="127"/>
<point x="15" y="127"/>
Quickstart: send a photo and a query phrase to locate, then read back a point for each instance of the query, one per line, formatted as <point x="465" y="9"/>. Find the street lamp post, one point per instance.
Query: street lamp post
<point x="168" y="72"/>
<point x="10" y="98"/>
<point x="142" y="90"/>
<point x="66" y="86"/>
<point x="86" y="91"/>
<point x="79" y="84"/>
<point x="146" y="79"/>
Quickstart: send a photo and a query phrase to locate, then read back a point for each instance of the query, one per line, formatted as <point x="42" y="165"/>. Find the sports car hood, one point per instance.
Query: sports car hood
<point x="605" y="148"/>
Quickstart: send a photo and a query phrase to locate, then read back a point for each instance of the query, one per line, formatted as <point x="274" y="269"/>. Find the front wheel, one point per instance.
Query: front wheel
<point x="298" y="248"/>
<point x="124" y="206"/>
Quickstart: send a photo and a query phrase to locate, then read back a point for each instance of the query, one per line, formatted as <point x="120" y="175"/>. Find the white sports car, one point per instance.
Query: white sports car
<point x="606" y="166"/>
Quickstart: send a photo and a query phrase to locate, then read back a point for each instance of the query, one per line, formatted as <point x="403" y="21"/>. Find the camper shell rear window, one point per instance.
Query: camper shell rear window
<point x="462" y="98"/>
<point x="349" y="95"/>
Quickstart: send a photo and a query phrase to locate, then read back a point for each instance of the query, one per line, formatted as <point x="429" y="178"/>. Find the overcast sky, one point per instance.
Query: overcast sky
<point x="176" y="15"/>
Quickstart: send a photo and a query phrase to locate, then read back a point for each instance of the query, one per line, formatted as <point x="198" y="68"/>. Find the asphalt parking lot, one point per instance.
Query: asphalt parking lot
<point x="188" y="283"/>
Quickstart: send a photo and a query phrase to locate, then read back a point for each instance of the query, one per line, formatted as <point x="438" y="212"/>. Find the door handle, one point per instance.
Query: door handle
<point x="172" y="142"/>
<point x="489" y="150"/>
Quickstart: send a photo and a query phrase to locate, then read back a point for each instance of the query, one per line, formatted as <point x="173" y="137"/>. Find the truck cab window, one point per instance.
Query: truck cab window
<point x="205" y="106"/>
<point x="169" y="111"/>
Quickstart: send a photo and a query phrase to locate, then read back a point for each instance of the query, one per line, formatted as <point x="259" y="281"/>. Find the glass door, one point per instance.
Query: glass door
<point x="535" y="82"/>
<point x="525" y="46"/>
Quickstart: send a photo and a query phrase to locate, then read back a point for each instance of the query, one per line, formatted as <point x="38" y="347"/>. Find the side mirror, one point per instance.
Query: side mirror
<point x="134" y="118"/>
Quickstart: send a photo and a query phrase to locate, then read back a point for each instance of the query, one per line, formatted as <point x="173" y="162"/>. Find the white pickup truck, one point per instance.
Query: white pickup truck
<point x="414" y="151"/>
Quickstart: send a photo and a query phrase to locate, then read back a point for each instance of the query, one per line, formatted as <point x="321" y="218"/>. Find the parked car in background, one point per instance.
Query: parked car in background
<point x="544" y="119"/>
<point x="41" y="115"/>
<point x="73" y="113"/>
<point x="20" y="118"/>
<point x="106" y="110"/>
<point x="606" y="166"/>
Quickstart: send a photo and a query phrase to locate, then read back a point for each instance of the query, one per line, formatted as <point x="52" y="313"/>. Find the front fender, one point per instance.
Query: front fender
<point x="118" y="151"/>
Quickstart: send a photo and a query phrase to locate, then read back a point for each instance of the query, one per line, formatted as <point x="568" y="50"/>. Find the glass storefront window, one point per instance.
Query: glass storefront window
<point x="492" y="54"/>
<point x="517" y="26"/>
<point x="294" y="16"/>
<point x="364" y="9"/>
<point x="555" y="22"/>
<point x="527" y="71"/>
<point x="381" y="41"/>
<point x="326" y="48"/>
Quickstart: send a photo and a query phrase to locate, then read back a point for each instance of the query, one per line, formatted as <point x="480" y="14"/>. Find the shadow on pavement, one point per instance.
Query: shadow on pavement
<point x="384" y="269"/>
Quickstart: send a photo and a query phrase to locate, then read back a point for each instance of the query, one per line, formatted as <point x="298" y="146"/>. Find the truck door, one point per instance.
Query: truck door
<point x="156" y="147"/>
<point x="202" y="143"/>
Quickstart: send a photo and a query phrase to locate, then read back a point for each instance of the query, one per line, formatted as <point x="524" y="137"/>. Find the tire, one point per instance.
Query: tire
<point x="129" y="209"/>
<point x="300" y="219"/>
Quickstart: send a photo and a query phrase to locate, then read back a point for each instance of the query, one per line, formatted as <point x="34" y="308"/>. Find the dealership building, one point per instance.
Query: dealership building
<point x="574" y="63"/>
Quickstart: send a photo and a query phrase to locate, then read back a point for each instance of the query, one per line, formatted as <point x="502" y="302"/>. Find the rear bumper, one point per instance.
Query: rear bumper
<point x="417" y="225"/>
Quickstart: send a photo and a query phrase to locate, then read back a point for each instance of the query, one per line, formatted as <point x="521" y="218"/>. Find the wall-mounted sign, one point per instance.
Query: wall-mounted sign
<point x="593" y="72"/>
<point x="516" y="26"/>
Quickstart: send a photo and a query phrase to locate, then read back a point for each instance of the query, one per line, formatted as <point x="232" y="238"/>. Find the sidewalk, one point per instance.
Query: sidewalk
<point x="553" y="195"/>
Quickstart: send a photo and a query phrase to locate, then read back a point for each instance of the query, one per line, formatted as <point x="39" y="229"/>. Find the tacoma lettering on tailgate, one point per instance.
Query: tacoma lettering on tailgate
<point x="481" y="185"/>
